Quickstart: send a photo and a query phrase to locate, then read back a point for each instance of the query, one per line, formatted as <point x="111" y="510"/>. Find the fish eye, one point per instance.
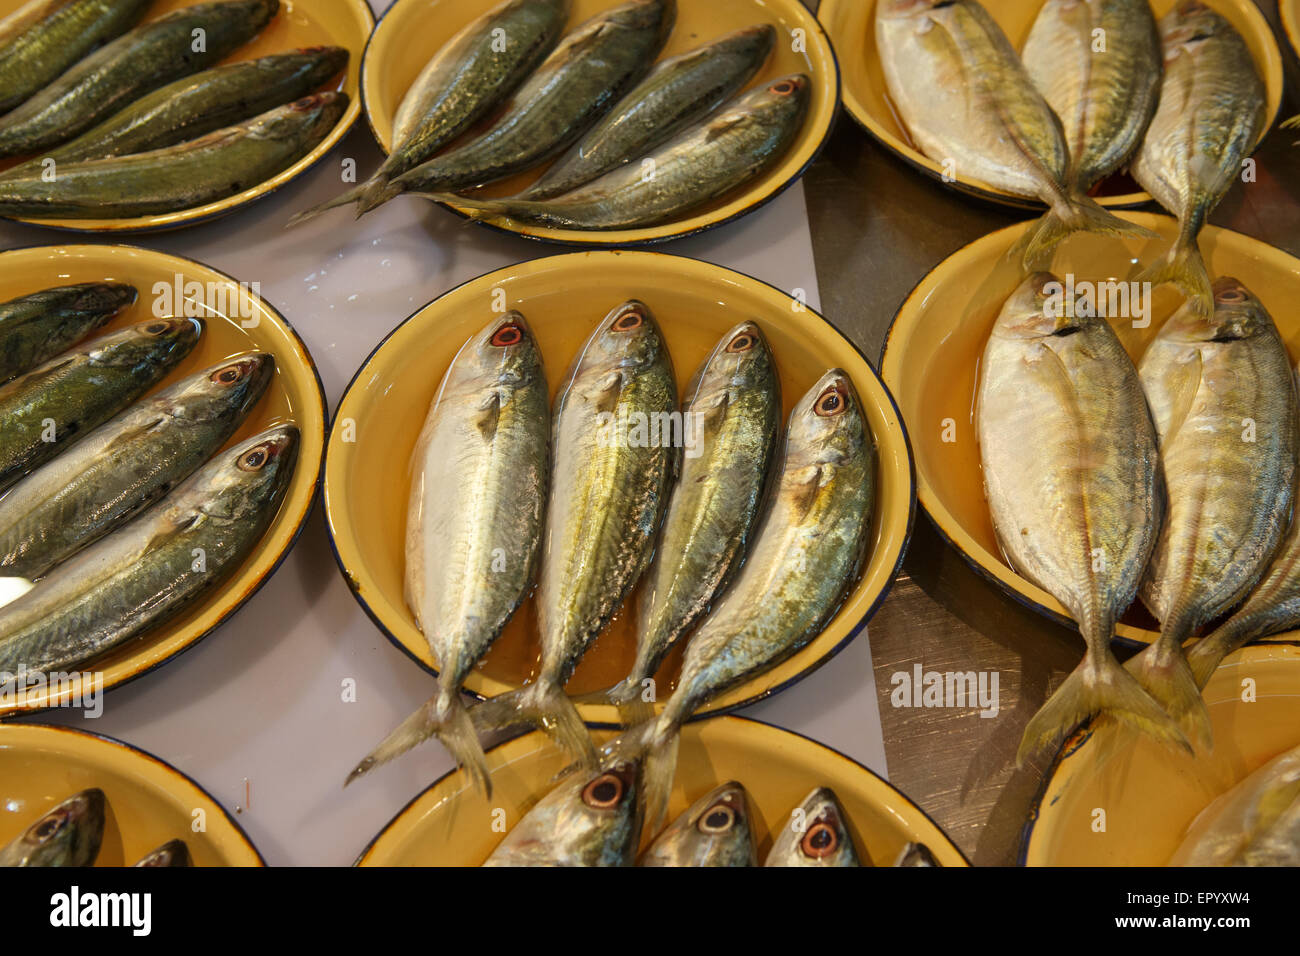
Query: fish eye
<point x="254" y="459"/>
<point x="1231" y="296"/>
<point x="228" y="375"/>
<point x="47" y="828"/>
<point x="783" y="88"/>
<point x="508" y="335"/>
<point x="603" y="792"/>
<point x="831" y="402"/>
<point x="628" y="321"/>
<point x="718" y="819"/>
<point x="741" y="343"/>
<point x="157" y="328"/>
<point x="820" y="841"/>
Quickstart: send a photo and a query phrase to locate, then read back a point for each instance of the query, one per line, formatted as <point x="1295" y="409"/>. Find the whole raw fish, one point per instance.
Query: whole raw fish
<point x="37" y="327"/>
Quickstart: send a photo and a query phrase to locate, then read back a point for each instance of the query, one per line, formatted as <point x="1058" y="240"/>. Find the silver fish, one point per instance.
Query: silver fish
<point x="817" y="834"/>
<point x="714" y="831"/>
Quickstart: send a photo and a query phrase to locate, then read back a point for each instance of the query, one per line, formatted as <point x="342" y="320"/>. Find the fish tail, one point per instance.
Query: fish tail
<point x="476" y="208"/>
<point x="446" y="717"/>
<point x="1184" y="267"/>
<point x="1205" y="655"/>
<point x="354" y="195"/>
<point x="541" y="704"/>
<point x="1071" y="214"/>
<point x="1164" y="673"/>
<point x="1097" y="686"/>
<point x="659" y="768"/>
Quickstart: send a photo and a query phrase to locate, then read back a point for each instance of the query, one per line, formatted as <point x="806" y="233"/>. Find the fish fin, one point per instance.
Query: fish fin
<point x="446" y="717"/>
<point x="1205" y="656"/>
<point x="1096" y="687"/>
<point x="477" y="209"/>
<point x="541" y="704"/>
<point x="1070" y="215"/>
<point x="659" y="767"/>
<point x="1184" y="267"/>
<point x="307" y="215"/>
<point x="1164" y="673"/>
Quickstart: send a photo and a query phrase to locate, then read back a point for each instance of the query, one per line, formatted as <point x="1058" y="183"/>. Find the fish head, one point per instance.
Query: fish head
<point x="640" y="15"/>
<point x="1038" y="309"/>
<point x="817" y="835"/>
<point x="69" y="835"/>
<point x="332" y="58"/>
<point x="784" y="95"/>
<point x="233" y="386"/>
<point x="627" y="340"/>
<point x="305" y="119"/>
<point x="504" y="351"/>
<point x="714" y="831"/>
<point x="754" y="41"/>
<point x="828" y="424"/>
<point x="1237" y="316"/>
<point x="155" y="342"/>
<point x="1188" y="26"/>
<point x="742" y="360"/>
<point x="245" y="481"/>
<point x="902" y="9"/>
<point x="593" y="818"/>
<point x="171" y="853"/>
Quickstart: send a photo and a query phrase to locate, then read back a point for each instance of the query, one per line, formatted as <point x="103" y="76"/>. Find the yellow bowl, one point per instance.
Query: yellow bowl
<point x="367" y="480"/>
<point x="295" y="394"/>
<point x="1149" y="794"/>
<point x="851" y="24"/>
<point x="412" y="31"/>
<point x="149" y="801"/>
<point x="449" y="823"/>
<point x="1289" y="12"/>
<point x="934" y="346"/>
<point x="300" y="23"/>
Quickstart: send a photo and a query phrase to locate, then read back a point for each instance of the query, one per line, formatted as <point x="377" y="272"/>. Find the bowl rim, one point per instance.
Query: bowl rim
<point x="314" y="487"/>
<point x="333" y="533"/>
<point x="1271" y="71"/>
<point x="997" y="573"/>
<point x="198" y="215"/>
<point x="133" y="753"/>
<point x="1288" y="12"/>
<point x="594" y="239"/>
<point x="761" y="727"/>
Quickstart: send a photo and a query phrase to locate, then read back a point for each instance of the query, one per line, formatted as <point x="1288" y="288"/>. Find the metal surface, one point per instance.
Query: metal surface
<point x="878" y="227"/>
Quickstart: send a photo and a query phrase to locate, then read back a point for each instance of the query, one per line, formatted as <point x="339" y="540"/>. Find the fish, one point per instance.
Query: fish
<point x="732" y="411"/>
<point x="714" y="831"/>
<point x="212" y="167"/>
<point x="591" y="69"/>
<point x="916" y="855"/>
<point x="808" y="549"/>
<point x="150" y="56"/>
<point x="1104" y="95"/>
<point x="968" y="103"/>
<point x="1212" y="114"/>
<point x="707" y="161"/>
<point x="46" y="37"/>
<point x="678" y="93"/>
<point x="156" y="565"/>
<point x="1078" y="516"/>
<point x="467" y="79"/>
<point x="589" y="819"/>
<point x="171" y="853"/>
<point x="1224" y="400"/>
<point x="816" y="835"/>
<point x="480" y="472"/>
<point x="56" y="403"/>
<point x="36" y="327"/>
<point x="69" y="835"/>
<point x="121" y="467"/>
<point x="1255" y="823"/>
<point x="194" y="105"/>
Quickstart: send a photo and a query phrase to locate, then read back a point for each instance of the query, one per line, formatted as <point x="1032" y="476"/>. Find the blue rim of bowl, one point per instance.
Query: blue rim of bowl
<point x="140" y="752"/>
<point x="302" y="520"/>
<point x="339" y="131"/>
<point x="980" y="571"/>
<point x="853" y="632"/>
<point x="597" y="244"/>
<point x="748" y="720"/>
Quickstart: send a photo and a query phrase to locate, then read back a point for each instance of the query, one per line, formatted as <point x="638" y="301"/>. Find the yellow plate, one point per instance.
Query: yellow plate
<point x="1289" y="12"/>
<point x="380" y="415"/>
<point x="412" y="31"/>
<point x="300" y="23"/>
<point x="1149" y="794"/>
<point x="934" y="346"/>
<point x="851" y="24"/>
<point x="449" y="823"/>
<point x="295" y="394"/>
<point x="149" y="801"/>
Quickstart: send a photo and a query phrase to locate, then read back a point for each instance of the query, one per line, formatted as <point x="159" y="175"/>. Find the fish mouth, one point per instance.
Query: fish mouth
<point x="88" y="807"/>
<point x="909" y="8"/>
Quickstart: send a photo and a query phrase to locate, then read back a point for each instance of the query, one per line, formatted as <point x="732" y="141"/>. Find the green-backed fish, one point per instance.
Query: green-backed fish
<point x="198" y="104"/>
<point x="1212" y="114"/>
<point x="807" y="551"/>
<point x="124" y="465"/>
<point x="678" y="92"/>
<point x="45" y="37"/>
<point x="479" y="476"/>
<point x="49" y="407"/>
<point x="38" y="326"/>
<point x="152" y="55"/>
<point x="1098" y="65"/>
<point x="1071" y="473"/>
<point x="69" y="835"/>
<point x="591" y="69"/>
<point x="171" y="853"/>
<point x="473" y="73"/>
<point x="590" y="819"/>
<point x="190" y="174"/>
<point x="714" y="831"/>
<point x="1224" y="401"/>
<point x="970" y="106"/>
<point x="817" y="834"/>
<point x="732" y="420"/>
<point x="154" y="567"/>
<point x="725" y="151"/>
